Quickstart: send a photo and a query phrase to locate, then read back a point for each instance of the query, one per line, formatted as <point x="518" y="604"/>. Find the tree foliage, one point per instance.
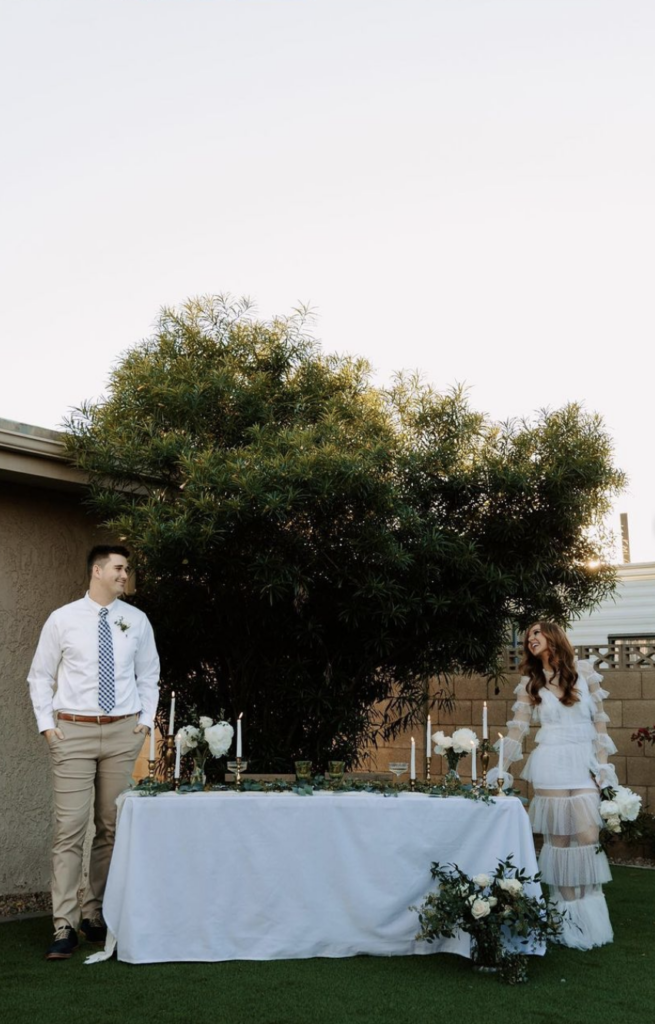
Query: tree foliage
<point x="309" y="545"/>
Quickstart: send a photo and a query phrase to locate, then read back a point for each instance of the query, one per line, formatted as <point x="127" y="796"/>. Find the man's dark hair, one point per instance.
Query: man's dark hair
<point x="101" y="552"/>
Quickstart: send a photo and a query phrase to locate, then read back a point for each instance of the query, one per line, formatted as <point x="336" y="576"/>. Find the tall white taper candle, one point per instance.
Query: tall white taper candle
<point x="178" y="755"/>
<point x="171" y="717"/>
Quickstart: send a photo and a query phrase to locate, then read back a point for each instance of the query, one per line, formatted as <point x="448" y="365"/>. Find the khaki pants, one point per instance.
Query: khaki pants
<point x="92" y="764"/>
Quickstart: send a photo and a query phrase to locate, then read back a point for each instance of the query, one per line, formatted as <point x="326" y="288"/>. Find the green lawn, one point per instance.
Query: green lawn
<point x="612" y="985"/>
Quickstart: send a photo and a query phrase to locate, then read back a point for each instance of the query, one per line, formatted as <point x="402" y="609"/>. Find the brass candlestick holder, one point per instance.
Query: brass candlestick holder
<point x="500" y="784"/>
<point x="412" y="785"/>
<point x="237" y="767"/>
<point x="428" y="769"/>
<point x="169" y="758"/>
<point x="151" y="771"/>
<point x="484" y="760"/>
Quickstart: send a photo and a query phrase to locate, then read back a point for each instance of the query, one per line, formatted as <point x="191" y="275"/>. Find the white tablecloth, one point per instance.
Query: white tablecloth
<point x="254" y="876"/>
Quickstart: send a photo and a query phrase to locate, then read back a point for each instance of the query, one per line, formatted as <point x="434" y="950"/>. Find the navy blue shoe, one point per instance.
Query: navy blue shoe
<point x="65" y="944"/>
<point x="94" y="931"/>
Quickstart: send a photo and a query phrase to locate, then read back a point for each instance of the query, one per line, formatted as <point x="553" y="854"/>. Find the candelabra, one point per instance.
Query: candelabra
<point x="500" y="784"/>
<point x="484" y="760"/>
<point x="237" y="767"/>
<point x="169" y="758"/>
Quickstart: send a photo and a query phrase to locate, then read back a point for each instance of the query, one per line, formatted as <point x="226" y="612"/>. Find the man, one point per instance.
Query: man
<point x="94" y="687"/>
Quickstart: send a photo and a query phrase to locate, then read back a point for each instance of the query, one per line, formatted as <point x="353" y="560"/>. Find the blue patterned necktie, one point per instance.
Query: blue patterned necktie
<point x="106" y="691"/>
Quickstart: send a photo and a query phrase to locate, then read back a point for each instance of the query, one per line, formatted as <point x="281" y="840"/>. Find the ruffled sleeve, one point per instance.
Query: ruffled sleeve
<point x="603" y="745"/>
<point x="518" y="725"/>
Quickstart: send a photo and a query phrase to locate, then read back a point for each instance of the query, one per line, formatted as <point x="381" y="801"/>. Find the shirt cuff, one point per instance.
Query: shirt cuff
<point x="45" y="721"/>
<point x="145" y="719"/>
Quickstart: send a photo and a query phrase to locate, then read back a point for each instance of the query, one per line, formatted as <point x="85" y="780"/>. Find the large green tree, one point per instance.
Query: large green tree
<point x="309" y="545"/>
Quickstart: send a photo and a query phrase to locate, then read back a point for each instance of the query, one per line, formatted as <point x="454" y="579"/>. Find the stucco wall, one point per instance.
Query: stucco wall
<point x="44" y="538"/>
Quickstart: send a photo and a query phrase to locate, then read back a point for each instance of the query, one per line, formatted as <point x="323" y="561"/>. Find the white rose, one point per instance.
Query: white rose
<point x="481" y="880"/>
<point x="609" y="809"/>
<point x="511" y="885"/>
<point x="492" y="901"/>
<point x="219" y="738"/>
<point x="441" y="742"/>
<point x="205" y="722"/>
<point x="189" y="737"/>
<point x="614" y="823"/>
<point x="464" y="740"/>
<point x="481" y="908"/>
<point x="629" y="803"/>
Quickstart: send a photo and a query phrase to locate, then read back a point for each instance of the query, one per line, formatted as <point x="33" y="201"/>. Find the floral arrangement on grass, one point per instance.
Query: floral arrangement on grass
<point x="455" y="747"/>
<point x="206" y="739"/>
<point x="490" y="908"/>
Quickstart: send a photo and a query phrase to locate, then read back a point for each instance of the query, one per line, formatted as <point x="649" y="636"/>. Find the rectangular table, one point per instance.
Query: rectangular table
<point x="267" y="876"/>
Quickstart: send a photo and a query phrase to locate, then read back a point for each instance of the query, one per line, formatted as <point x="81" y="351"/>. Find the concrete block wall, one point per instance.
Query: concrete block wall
<point x="631" y="705"/>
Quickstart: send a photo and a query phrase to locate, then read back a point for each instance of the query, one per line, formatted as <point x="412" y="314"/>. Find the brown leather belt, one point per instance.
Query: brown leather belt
<point x="98" y="719"/>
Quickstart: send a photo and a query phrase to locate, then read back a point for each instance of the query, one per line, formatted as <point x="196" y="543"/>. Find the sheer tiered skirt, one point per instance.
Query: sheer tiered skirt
<point x="570" y="864"/>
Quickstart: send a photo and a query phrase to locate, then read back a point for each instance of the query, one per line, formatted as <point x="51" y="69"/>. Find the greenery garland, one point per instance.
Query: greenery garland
<point x="321" y="784"/>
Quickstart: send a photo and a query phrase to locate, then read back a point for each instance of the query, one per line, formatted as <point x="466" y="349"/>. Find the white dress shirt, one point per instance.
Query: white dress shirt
<point x="64" y="672"/>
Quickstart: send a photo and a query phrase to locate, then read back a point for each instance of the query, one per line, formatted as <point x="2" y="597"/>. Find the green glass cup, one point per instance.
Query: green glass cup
<point x="335" y="770"/>
<point x="303" y="770"/>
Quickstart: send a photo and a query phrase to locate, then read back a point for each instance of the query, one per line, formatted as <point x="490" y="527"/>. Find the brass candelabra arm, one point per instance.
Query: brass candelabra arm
<point x="169" y="758"/>
<point x="485" y="749"/>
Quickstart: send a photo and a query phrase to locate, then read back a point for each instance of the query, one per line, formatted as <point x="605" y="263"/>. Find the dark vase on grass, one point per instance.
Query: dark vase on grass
<point x="485" y="953"/>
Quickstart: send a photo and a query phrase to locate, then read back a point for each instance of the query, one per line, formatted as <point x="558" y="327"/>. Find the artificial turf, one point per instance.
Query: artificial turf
<point x="611" y="985"/>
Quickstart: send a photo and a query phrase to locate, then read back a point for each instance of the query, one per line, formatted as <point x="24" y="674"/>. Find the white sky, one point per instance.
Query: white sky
<point x="465" y="187"/>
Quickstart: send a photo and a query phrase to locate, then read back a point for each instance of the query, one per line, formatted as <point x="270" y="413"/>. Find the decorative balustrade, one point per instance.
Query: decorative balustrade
<point x="619" y="657"/>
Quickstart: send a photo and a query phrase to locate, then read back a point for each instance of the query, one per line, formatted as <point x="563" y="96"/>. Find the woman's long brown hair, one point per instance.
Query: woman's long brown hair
<point x="562" y="659"/>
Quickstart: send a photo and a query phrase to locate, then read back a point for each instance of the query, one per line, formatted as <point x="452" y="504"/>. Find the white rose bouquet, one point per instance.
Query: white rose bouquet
<point x="489" y="907"/>
<point x="455" y="747"/>
<point x="206" y="739"/>
<point x="619" y="810"/>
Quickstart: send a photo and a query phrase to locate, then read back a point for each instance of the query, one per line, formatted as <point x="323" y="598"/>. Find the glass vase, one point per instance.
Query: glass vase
<point x="485" y="954"/>
<point x="198" y="777"/>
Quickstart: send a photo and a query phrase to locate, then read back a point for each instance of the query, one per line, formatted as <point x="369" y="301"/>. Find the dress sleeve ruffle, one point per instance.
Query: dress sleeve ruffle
<point x="512" y="750"/>
<point x="586" y="669"/>
<point x="599" y="694"/>
<point x="518" y="726"/>
<point x="604" y="743"/>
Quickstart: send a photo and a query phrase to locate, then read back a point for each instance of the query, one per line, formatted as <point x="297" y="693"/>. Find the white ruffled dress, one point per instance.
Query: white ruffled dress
<point x="572" y="742"/>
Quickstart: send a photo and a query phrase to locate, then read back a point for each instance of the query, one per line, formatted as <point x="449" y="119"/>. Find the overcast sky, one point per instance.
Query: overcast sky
<point x="464" y="187"/>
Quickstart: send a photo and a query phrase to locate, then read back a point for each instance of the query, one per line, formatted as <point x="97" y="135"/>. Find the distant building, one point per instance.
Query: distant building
<point x="628" y="617"/>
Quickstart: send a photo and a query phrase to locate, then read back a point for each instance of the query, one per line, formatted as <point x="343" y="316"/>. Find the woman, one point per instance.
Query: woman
<point x="567" y="769"/>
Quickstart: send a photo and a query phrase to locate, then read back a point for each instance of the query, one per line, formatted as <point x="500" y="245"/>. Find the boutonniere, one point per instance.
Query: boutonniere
<point x="122" y="624"/>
